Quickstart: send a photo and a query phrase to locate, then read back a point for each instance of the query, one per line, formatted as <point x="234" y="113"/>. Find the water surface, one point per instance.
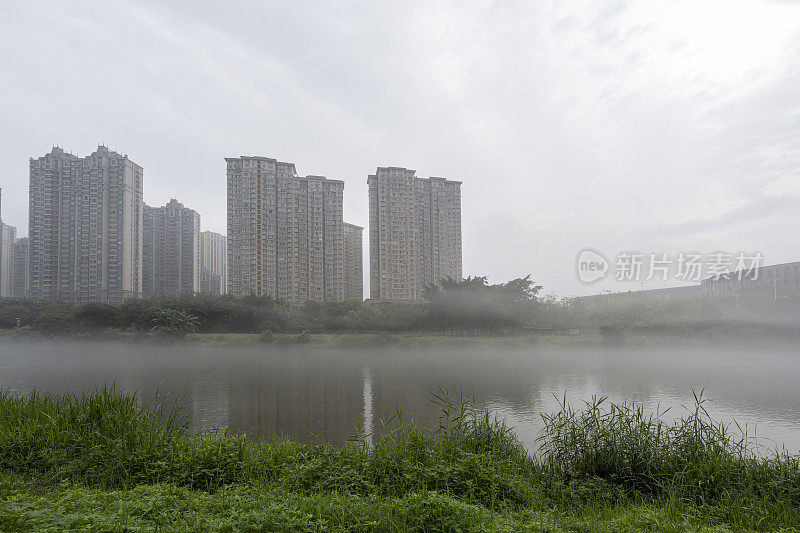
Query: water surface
<point x="323" y="395"/>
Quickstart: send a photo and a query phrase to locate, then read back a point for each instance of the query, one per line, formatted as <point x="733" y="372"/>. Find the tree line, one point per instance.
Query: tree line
<point x="471" y="306"/>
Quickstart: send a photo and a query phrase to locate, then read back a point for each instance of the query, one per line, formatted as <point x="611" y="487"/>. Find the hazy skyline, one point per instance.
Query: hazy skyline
<point x="619" y="125"/>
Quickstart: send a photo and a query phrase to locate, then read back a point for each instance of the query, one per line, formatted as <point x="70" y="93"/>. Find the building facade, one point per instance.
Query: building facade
<point x="767" y="282"/>
<point x="171" y="256"/>
<point x="85" y="227"/>
<point x="615" y="300"/>
<point x="20" y="282"/>
<point x="353" y="262"/>
<point x="414" y="233"/>
<point x="8" y="234"/>
<point x="771" y="282"/>
<point x="285" y="232"/>
<point x="213" y="263"/>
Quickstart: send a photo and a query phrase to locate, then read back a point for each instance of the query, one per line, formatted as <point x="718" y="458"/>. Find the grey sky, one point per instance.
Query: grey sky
<point x="650" y="126"/>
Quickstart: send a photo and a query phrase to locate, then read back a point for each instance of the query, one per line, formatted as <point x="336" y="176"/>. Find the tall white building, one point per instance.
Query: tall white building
<point x="353" y="262"/>
<point x="20" y="283"/>
<point x="285" y="232"/>
<point x="414" y="232"/>
<point x="171" y="257"/>
<point x="85" y="227"/>
<point x="8" y="235"/>
<point x="213" y="263"/>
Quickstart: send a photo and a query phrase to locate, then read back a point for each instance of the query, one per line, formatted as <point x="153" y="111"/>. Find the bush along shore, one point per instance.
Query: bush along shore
<point x="101" y="462"/>
<point x="467" y="308"/>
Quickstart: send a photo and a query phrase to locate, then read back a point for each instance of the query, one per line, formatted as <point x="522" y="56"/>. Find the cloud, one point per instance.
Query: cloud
<point x="609" y="125"/>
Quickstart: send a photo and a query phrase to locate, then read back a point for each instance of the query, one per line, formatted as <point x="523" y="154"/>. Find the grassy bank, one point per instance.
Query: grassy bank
<point x="282" y="341"/>
<point x="315" y="340"/>
<point x="415" y="341"/>
<point x="100" y="461"/>
<point x="384" y="340"/>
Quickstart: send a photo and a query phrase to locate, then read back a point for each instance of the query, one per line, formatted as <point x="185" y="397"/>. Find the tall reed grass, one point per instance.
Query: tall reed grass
<point x="600" y="455"/>
<point x="691" y="459"/>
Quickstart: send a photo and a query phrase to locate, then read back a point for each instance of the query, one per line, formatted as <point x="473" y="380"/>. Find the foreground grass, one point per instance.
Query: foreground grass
<point x="255" y="507"/>
<point x="100" y="462"/>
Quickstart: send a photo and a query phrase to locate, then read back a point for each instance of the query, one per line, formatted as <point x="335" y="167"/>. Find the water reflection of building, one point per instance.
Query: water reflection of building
<point x="321" y="397"/>
<point x="210" y="401"/>
<point x="367" y="423"/>
<point x="309" y="402"/>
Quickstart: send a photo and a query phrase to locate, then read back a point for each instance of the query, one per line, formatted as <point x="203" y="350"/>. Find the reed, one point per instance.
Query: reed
<point x="604" y="458"/>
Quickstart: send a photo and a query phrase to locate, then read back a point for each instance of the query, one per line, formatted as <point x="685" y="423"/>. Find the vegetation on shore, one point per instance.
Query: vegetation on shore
<point x="467" y="308"/>
<point x="100" y="461"/>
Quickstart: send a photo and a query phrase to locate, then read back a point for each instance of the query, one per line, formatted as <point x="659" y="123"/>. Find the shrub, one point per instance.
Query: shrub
<point x="54" y="323"/>
<point x="171" y="323"/>
<point x="10" y="313"/>
<point x="97" y="316"/>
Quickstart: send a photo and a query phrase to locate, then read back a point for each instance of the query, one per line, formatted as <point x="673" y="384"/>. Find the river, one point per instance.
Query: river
<point x="324" y="395"/>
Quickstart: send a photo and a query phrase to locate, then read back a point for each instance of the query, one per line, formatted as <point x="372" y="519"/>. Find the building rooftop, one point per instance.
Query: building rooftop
<point x="414" y="171"/>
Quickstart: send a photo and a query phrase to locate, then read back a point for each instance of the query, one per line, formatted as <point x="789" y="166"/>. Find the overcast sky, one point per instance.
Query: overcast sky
<point x="647" y="126"/>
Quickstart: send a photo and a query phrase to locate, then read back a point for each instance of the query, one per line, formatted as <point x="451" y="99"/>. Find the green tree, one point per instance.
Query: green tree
<point x="97" y="316"/>
<point x="172" y="323"/>
<point x="473" y="306"/>
<point x="132" y="312"/>
<point x="54" y="322"/>
<point x="10" y="313"/>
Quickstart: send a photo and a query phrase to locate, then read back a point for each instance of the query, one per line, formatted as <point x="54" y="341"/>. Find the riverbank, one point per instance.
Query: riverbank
<point x="278" y="341"/>
<point x="386" y="340"/>
<point x="99" y="461"/>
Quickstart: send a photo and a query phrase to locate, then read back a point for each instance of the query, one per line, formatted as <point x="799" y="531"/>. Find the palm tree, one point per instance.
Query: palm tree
<point x="172" y="323"/>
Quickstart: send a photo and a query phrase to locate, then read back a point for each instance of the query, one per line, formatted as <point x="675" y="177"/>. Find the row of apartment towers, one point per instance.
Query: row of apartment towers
<point x="92" y="238"/>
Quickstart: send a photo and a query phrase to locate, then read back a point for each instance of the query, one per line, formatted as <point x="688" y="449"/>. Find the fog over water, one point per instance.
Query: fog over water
<point x="321" y="395"/>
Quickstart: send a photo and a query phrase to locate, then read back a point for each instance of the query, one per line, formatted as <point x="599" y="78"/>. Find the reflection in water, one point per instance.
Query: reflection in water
<point x="320" y="395"/>
<point x="368" y="427"/>
<point x="210" y="401"/>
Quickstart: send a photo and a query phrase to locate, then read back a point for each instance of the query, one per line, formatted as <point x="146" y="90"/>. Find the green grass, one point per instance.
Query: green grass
<point x="280" y="341"/>
<point x="101" y="461"/>
<point x="386" y="340"/>
<point x="255" y="507"/>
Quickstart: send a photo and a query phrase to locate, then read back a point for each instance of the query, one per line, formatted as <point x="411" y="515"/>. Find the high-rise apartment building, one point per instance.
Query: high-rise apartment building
<point x="285" y="232"/>
<point x="85" y="227"/>
<point x="414" y="232"/>
<point x="213" y="263"/>
<point x="20" y="282"/>
<point x="353" y="262"/>
<point x="171" y="257"/>
<point x="8" y="234"/>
